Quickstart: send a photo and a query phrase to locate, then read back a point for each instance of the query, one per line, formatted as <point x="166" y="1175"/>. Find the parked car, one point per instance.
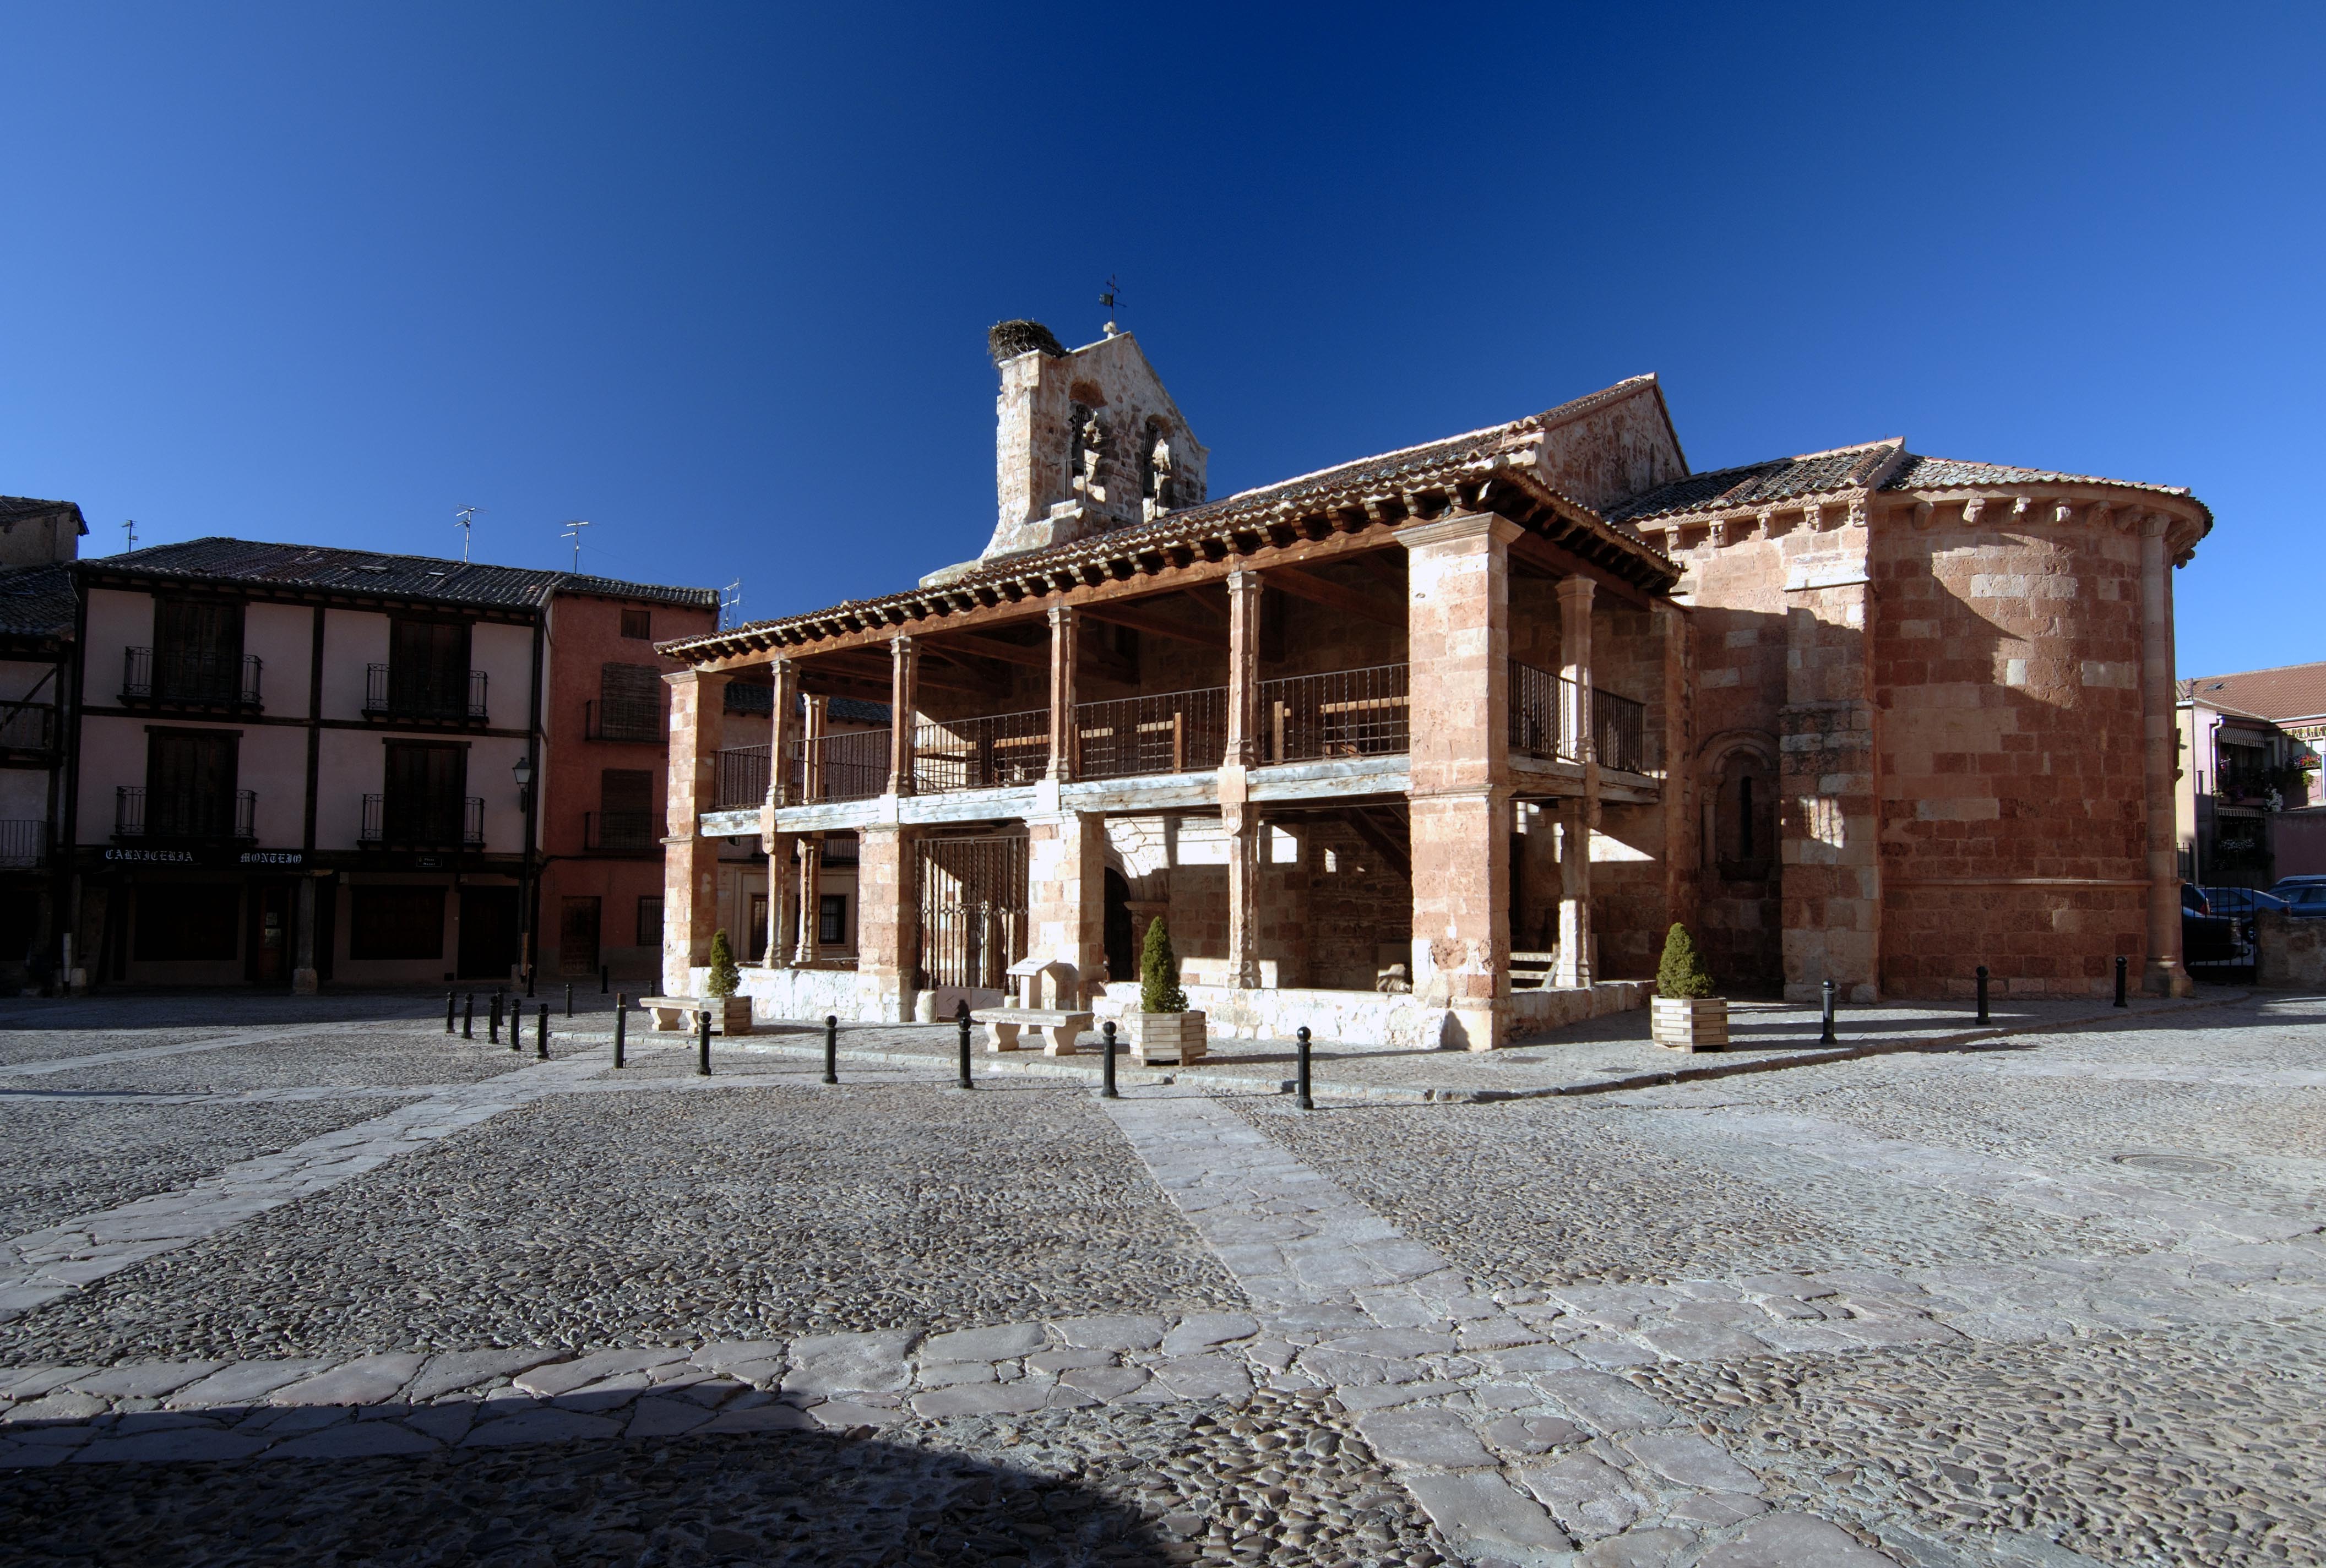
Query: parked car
<point x="2307" y="903"/>
<point x="2284" y="885"/>
<point x="2206" y="938"/>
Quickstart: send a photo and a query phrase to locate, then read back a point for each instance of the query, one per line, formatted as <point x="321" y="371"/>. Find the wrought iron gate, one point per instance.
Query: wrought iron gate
<point x="973" y="910"/>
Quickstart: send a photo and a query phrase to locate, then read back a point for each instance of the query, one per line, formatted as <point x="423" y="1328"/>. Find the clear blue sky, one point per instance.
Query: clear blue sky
<point x="717" y="279"/>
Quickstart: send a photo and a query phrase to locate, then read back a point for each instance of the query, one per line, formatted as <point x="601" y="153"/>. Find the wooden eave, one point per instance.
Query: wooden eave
<point x="1313" y="526"/>
<point x="377" y="602"/>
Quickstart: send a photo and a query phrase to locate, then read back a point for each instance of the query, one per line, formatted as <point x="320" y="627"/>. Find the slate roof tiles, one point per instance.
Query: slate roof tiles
<point x="243" y="561"/>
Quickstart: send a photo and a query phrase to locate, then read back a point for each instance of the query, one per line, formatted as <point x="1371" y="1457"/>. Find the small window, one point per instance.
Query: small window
<point x="638" y="623"/>
<point x="832" y="920"/>
<point x="650" y="920"/>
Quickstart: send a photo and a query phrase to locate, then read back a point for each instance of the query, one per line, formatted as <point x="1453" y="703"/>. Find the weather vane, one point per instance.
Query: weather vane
<point x="464" y="518"/>
<point x="573" y="531"/>
<point x="1108" y="299"/>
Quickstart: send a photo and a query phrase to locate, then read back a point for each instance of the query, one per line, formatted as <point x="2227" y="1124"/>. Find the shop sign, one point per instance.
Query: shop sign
<point x="117" y="856"/>
<point x="274" y="857"/>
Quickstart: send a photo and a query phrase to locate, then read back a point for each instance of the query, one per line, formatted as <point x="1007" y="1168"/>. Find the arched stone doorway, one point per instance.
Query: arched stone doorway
<point x="1122" y="952"/>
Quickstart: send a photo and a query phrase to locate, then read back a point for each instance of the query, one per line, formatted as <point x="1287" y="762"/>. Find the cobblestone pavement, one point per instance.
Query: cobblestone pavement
<point x="2048" y="1305"/>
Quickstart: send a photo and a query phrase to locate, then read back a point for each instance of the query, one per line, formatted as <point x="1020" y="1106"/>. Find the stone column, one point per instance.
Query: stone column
<point x="887" y="924"/>
<point x="1062" y="692"/>
<point x="690" y="898"/>
<point x="1577" y="817"/>
<point x="781" y="850"/>
<point x="1065" y="878"/>
<point x="812" y="722"/>
<point x="904" y="666"/>
<point x="783" y="729"/>
<point x="2163" y="974"/>
<point x="1243" y="826"/>
<point x="304" y="981"/>
<point x="1458" y="638"/>
<point x="1243" y="748"/>
<point x="811" y="898"/>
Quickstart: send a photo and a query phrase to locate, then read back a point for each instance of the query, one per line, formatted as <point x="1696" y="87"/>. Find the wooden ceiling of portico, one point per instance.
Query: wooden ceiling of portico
<point x="1138" y="585"/>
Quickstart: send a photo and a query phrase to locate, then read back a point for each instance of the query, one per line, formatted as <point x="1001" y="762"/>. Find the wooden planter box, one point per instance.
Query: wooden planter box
<point x="1175" y="1038"/>
<point x="1689" y="1022"/>
<point x="733" y="1015"/>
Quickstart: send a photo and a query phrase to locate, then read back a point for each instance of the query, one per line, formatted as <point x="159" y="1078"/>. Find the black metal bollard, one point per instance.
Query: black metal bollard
<point x="831" y="1048"/>
<point x="1982" y="993"/>
<point x="702" y="1045"/>
<point x="2120" y="966"/>
<point x="495" y="1024"/>
<point x="961" y="1018"/>
<point x="1828" y="1037"/>
<point x="452" y="1008"/>
<point x="468" y="1018"/>
<point x="528" y="982"/>
<point x="621" y="1020"/>
<point x="569" y="999"/>
<point x="1106" y="1075"/>
<point x="1304" y="1098"/>
<point x="516" y="1024"/>
<point x="541" y="1033"/>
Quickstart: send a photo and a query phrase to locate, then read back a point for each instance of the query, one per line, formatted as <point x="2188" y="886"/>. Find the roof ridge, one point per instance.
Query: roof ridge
<point x="2266" y="670"/>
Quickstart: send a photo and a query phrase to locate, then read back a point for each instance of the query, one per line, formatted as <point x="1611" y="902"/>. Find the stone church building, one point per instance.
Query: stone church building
<point x="1432" y="747"/>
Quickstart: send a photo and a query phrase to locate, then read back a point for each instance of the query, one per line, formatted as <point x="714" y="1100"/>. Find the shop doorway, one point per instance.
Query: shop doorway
<point x="272" y="907"/>
<point x="577" y="937"/>
<point x="487" y="933"/>
<point x="1122" y="960"/>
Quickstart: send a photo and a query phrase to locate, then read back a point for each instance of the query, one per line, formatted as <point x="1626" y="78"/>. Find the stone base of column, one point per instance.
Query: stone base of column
<point x="2166" y="977"/>
<point x="305" y="982"/>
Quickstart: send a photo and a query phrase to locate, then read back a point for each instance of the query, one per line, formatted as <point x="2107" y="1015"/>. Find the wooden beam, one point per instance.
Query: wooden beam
<point x="992" y="648"/>
<point x="1153" y="625"/>
<point x="1333" y="596"/>
<point x="1562" y="563"/>
<point x="1201" y="601"/>
<point x="1377" y="838"/>
<point x="846" y="669"/>
<point x="1390" y="572"/>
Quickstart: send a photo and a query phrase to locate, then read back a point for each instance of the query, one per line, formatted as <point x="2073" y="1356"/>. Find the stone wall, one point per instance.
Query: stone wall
<point x="2289" y="954"/>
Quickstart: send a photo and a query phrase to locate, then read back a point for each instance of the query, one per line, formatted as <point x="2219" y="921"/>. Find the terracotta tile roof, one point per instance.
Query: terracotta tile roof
<point x="2285" y="695"/>
<point x="37" y="601"/>
<point x="1504" y="453"/>
<point x="1782" y="479"/>
<point x="242" y="560"/>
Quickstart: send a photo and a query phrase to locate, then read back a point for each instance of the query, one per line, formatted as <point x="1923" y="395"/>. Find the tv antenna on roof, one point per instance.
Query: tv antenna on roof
<point x="129" y="526"/>
<point x="465" y="519"/>
<point x="730" y="597"/>
<point x="1114" y="293"/>
<point x="573" y="531"/>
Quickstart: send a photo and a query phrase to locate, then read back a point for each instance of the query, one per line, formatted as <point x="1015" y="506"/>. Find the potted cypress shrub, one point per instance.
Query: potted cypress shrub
<point x="1164" y="1029"/>
<point x="734" y="1011"/>
<point x="1686" y="1016"/>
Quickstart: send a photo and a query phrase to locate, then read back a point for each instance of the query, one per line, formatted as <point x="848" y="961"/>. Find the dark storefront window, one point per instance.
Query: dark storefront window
<point x="396" y="923"/>
<point x="188" y="923"/>
<point x="832" y="920"/>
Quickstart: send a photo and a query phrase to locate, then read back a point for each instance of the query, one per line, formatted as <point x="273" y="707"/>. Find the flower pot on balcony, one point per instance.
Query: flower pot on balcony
<point x="1689" y="1022"/>
<point x="1174" y="1039"/>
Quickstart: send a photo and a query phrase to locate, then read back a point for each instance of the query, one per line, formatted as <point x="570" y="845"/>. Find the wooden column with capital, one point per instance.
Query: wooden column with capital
<point x="811" y="898"/>
<point x="1459" y="785"/>
<point x="904" y="669"/>
<point x="1062" y="692"/>
<point x="698" y="703"/>
<point x="783" y="729"/>
<point x="812" y="722"/>
<point x="1243" y="748"/>
<point x="1238" y="819"/>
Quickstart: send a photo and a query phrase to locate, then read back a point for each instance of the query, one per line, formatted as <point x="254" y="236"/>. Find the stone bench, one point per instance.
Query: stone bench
<point x="1058" y="1030"/>
<point x="676" y="1015"/>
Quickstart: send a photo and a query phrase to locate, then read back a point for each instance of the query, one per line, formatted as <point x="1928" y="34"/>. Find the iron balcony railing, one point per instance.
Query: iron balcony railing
<point x="32" y="726"/>
<point x="625" y="719"/>
<point x="184" y="814"/>
<point x="24" y="843"/>
<point x="1547" y="714"/>
<point x="619" y="830"/>
<point x="850" y="766"/>
<point x="1344" y="714"/>
<point x="1170" y="732"/>
<point x="1619" y="732"/>
<point x="992" y="752"/>
<point x="422" y="822"/>
<point x="189" y="677"/>
<point x="742" y="782"/>
<point x="392" y="693"/>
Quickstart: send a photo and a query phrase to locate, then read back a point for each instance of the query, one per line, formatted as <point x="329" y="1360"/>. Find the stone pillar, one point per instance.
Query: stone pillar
<point x="811" y="898"/>
<point x="781" y="850"/>
<point x="1244" y="840"/>
<point x="812" y="722"/>
<point x="783" y="729"/>
<point x="1066" y="877"/>
<point x="1062" y="692"/>
<point x="887" y="924"/>
<point x="690" y="896"/>
<point x="904" y="666"/>
<point x="2163" y="974"/>
<point x="1458" y="636"/>
<point x="1243" y="748"/>
<point x="304" y="981"/>
<point x="1577" y="817"/>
